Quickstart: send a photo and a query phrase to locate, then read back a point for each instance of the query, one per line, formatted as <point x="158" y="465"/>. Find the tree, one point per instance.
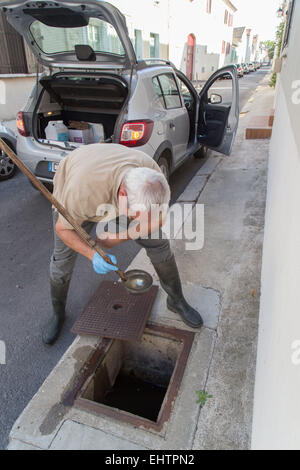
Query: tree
<point x="278" y="46"/>
<point x="280" y="33"/>
<point x="270" y="47"/>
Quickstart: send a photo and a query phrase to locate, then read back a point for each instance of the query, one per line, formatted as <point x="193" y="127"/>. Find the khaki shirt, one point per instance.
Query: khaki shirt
<point x="91" y="176"/>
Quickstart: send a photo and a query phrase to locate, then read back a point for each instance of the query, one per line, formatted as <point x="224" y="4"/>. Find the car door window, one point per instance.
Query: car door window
<point x="223" y="88"/>
<point x="170" y="91"/>
<point x="219" y="110"/>
<point x="98" y="34"/>
<point x="158" y="91"/>
<point x="185" y="92"/>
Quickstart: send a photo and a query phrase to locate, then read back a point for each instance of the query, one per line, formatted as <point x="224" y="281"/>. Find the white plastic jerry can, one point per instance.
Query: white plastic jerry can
<point x="56" y="130"/>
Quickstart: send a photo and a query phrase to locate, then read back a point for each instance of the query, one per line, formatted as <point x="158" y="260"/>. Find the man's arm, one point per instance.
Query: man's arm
<point x="110" y="240"/>
<point x="72" y="240"/>
<point x="144" y="226"/>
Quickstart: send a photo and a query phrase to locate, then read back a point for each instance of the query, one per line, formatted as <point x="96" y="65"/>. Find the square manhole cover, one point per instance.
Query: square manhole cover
<point x="114" y="313"/>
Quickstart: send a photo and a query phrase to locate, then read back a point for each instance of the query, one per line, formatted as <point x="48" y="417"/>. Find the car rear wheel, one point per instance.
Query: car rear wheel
<point x="164" y="166"/>
<point x="7" y="166"/>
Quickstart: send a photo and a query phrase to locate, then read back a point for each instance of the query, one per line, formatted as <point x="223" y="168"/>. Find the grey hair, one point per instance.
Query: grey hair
<point x="146" y="187"/>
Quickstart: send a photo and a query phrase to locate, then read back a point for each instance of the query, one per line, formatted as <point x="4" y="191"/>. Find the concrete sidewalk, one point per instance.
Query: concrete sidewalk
<point x="223" y="281"/>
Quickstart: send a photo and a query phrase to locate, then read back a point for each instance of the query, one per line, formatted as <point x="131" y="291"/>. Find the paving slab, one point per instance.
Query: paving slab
<point x="15" y="444"/>
<point x="206" y="301"/>
<point x="43" y="416"/>
<point x="184" y="419"/>
<point x="76" y="436"/>
<point x="259" y="128"/>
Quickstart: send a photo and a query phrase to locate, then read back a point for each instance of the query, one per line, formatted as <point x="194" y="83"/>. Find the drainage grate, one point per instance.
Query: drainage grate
<point x="114" y="313"/>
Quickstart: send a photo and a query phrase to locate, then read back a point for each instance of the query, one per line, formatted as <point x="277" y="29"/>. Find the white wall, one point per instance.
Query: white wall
<point x="209" y="30"/>
<point x="276" y="422"/>
<point x="14" y="91"/>
<point x="148" y="18"/>
<point x="174" y="20"/>
<point x="240" y="49"/>
<point x="204" y="64"/>
<point x="244" y="48"/>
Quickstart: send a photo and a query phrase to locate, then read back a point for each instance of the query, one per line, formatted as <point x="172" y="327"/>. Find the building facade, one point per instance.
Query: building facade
<point x="246" y="46"/>
<point x="276" y="401"/>
<point x="196" y="35"/>
<point x="201" y="36"/>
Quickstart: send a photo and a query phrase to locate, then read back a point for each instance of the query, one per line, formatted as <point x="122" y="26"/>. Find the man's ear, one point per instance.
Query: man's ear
<point x="122" y="191"/>
<point x="122" y="200"/>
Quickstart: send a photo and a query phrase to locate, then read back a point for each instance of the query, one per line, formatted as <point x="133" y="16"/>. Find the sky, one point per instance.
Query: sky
<point x="260" y="15"/>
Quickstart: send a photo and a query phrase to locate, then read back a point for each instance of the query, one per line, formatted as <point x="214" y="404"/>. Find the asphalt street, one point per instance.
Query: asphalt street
<point x="25" y="248"/>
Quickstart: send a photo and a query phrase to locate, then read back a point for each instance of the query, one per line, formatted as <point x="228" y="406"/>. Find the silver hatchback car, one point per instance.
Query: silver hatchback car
<point x="7" y="166"/>
<point x="91" y="76"/>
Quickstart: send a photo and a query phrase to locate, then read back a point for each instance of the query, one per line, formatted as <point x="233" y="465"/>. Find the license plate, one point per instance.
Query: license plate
<point x="53" y="166"/>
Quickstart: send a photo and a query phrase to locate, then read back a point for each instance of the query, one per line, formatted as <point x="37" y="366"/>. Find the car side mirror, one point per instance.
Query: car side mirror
<point x="215" y="99"/>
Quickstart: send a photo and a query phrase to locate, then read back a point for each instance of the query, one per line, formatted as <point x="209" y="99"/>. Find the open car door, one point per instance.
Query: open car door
<point x="219" y="111"/>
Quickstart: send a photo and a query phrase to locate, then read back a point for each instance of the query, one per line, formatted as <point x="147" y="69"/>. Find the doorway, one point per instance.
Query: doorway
<point x="190" y="56"/>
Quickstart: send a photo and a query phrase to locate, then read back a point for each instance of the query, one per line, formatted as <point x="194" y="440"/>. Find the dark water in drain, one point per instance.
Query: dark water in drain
<point x="136" y="396"/>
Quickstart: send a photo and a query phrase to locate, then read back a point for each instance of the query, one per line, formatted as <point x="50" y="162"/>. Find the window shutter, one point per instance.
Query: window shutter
<point x="208" y="6"/>
<point x="12" y="53"/>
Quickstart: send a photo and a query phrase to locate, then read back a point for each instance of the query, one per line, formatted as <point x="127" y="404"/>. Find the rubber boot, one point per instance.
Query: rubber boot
<point x="170" y="281"/>
<point x="58" y="296"/>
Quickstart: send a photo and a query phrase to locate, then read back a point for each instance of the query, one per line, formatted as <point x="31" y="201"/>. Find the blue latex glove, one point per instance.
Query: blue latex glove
<point x="101" y="266"/>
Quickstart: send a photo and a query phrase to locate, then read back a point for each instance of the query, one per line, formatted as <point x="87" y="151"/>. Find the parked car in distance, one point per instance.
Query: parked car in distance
<point x="240" y="70"/>
<point x="227" y="76"/>
<point x="251" y="67"/>
<point x="7" y="166"/>
<point x="93" y="80"/>
<point x="245" y="68"/>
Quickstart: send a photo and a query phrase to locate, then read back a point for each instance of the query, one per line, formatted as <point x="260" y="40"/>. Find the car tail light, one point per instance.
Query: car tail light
<point x="136" y="133"/>
<point x="21" y="124"/>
